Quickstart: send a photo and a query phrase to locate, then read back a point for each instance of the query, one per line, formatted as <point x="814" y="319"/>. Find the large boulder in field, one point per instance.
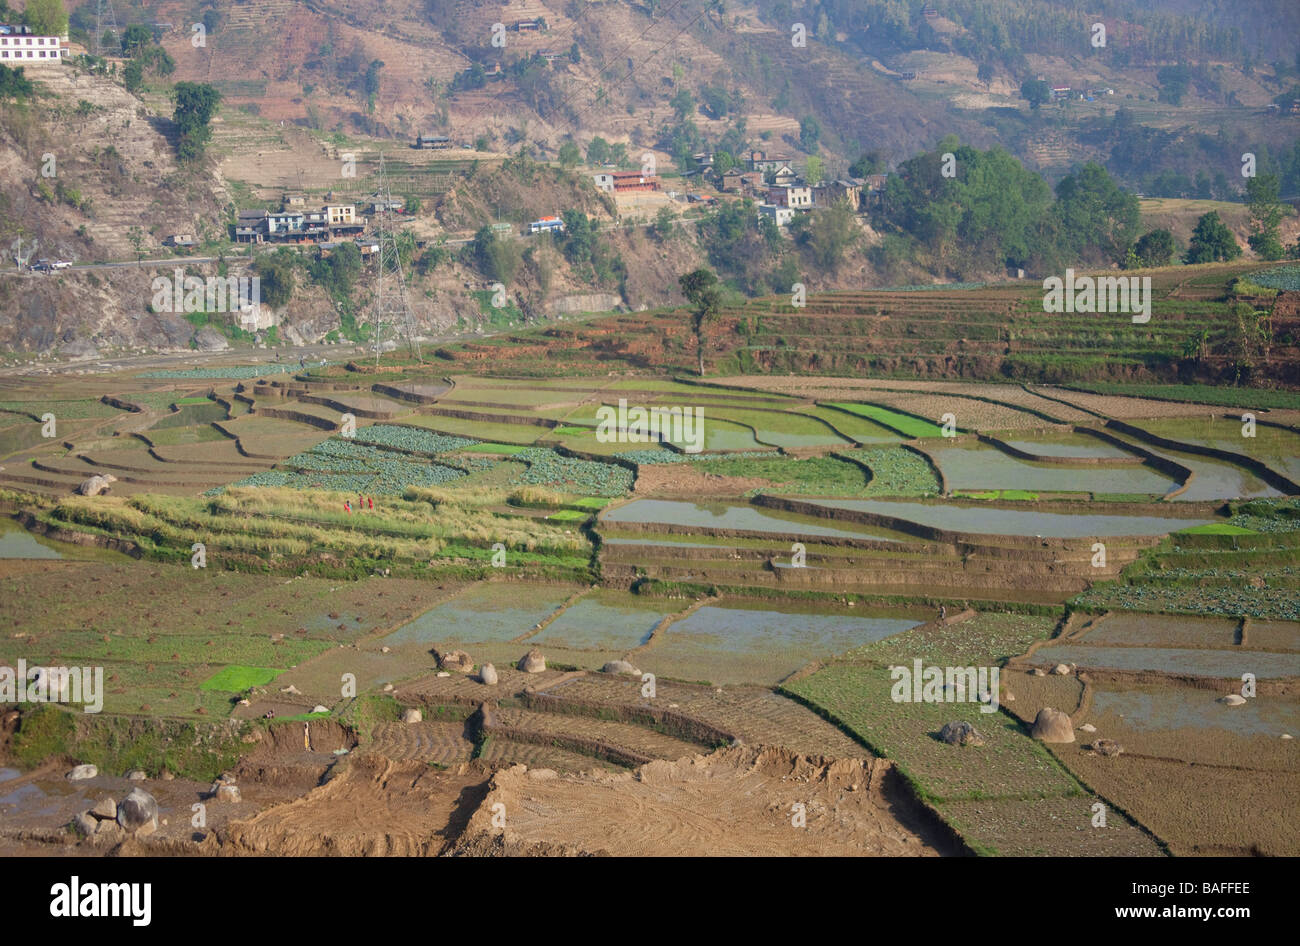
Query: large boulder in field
<point x="455" y="660"/>
<point x="1232" y="699"/>
<point x="1107" y="747"/>
<point x="1051" y="725"/>
<point x="138" y="812"/>
<point x="94" y="485"/>
<point x="620" y="666"/>
<point x="532" y="662"/>
<point x="487" y="674"/>
<point x="412" y="715"/>
<point x="82" y="772"/>
<point x="960" y="734"/>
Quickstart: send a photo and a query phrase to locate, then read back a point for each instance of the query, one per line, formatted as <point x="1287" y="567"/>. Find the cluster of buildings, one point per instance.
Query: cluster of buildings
<point x="295" y="223"/>
<point x="18" y="44"/>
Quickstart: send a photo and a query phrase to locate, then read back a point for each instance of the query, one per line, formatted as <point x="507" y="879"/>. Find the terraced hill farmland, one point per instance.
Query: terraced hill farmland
<point x="427" y="520"/>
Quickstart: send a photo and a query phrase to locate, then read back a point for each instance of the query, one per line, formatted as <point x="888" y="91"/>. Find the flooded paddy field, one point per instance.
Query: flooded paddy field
<point x="982" y="468"/>
<point x="1016" y="521"/>
<point x="730" y="516"/>
<point x="736" y="642"/>
<point x="1230" y="664"/>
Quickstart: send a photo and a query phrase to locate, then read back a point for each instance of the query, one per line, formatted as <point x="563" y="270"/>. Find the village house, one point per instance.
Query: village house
<point x="620" y="182"/>
<point x="793" y="196"/>
<point x="781" y="216"/>
<point x="741" y="182"/>
<point x="763" y="161"/>
<point x="784" y="176"/>
<point x="20" y="43"/>
<point x="180" y="239"/>
<point x="828" y="192"/>
<point x="433" y="142"/>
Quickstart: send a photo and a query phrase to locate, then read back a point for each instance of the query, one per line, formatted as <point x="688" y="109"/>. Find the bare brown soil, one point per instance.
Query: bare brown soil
<point x="737" y="801"/>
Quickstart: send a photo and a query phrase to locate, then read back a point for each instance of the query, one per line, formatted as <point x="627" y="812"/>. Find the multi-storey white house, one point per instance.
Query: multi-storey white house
<point x="18" y="45"/>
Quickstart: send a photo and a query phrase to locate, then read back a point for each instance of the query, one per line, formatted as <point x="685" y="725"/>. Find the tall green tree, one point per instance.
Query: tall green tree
<point x="700" y="287"/>
<point x="1036" y="92"/>
<point x="46" y="17"/>
<point x="1211" y="241"/>
<point x="1266" y="212"/>
<point x="196" y="103"/>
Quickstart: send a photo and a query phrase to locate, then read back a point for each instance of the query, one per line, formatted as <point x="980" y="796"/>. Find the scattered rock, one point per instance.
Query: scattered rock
<point x="443" y="673"/>
<point x="1008" y="697"/>
<point x="320" y="709"/>
<point x="487" y="674"/>
<point x="1287" y="735"/>
<point x="1087" y="727"/>
<point x="532" y="662"/>
<point x="620" y="666"/>
<point x="85" y="824"/>
<point x="385" y="650"/>
<point x="167" y="776"/>
<point x="136" y="775"/>
<point x="138" y="812"/>
<point x="1051" y="725"/>
<point x="1061" y="670"/>
<point x="105" y="809"/>
<point x="1232" y="699"/>
<point x="291" y="689"/>
<point x="226" y="791"/>
<point x="99" y="483"/>
<point x="960" y="734"/>
<point x="111" y="832"/>
<point x="1107" y="747"/>
<point x="1038" y="672"/>
<point x="82" y="772"/>
<point x="543" y="775"/>
<point x="388" y="688"/>
<point x="412" y="715"/>
<point x="455" y="660"/>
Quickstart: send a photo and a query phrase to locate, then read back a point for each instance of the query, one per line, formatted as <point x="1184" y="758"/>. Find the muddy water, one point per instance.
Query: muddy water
<point x="487" y="612"/>
<point x="976" y="468"/>
<point x="1200" y="663"/>
<point x="739" y="643"/>
<point x="1279" y="449"/>
<point x="1197" y="709"/>
<point x="1213" y="480"/>
<point x="1016" y="521"/>
<point x="730" y="516"/>
<point x="1069" y="445"/>
<point x="18" y="543"/>
<point x="602" y="621"/>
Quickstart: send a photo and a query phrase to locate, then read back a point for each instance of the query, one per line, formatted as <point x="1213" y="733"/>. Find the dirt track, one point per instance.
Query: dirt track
<point x="736" y="801"/>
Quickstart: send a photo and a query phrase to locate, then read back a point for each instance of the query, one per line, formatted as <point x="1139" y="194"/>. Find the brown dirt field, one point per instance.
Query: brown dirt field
<point x="681" y="479"/>
<point x="733" y="802"/>
<point x="371" y="806"/>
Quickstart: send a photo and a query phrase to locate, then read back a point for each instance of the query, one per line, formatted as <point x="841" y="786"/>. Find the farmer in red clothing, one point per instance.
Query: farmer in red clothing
<point x="347" y="507"/>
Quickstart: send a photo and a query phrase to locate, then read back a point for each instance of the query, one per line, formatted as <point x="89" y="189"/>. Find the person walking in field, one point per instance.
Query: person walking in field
<point x="347" y="507"/>
<point x="370" y="501"/>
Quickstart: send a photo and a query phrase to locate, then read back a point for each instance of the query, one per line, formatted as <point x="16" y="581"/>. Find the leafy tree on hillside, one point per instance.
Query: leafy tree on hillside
<point x="133" y="75"/>
<point x="136" y="39"/>
<point x="13" y="84"/>
<point x="1155" y="248"/>
<point x="276" y="278"/>
<point x="1266" y="212"/>
<point x="1035" y="92"/>
<point x="1174" y="81"/>
<point x="196" y="103"/>
<point x="569" y="155"/>
<point x="700" y="288"/>
<point x="682" y="104"/>
<point x="810" y="134"/>
<point x="46" y="17"/>
<point x="579" y="236"/>
<point x="496" y="258"/>
<point x="1211" y="241"/>
<point x="1097" y="216"/>
<point x="869" y="162"/>
<point x="598" y="152"/>
<point x="827" y="235"/>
